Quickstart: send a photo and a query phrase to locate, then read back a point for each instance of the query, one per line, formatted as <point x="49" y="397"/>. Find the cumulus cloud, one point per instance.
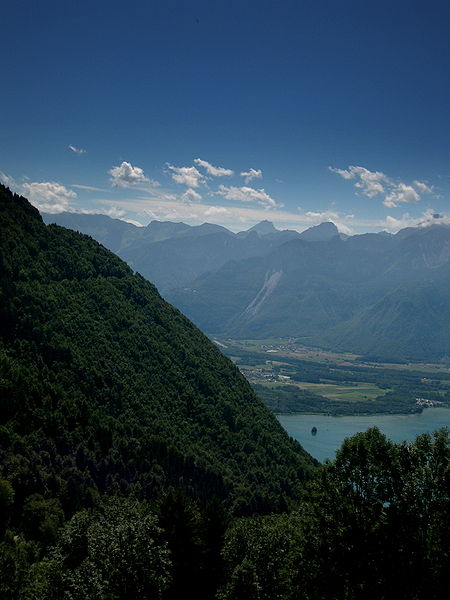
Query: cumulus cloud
<point x="343" y="172"/>
<point x="216" y="211"/>
<point x="7" y="180"/>
<point x="251" y="174"/>
<point x="374" y="183"/>
<point x="400" y="194"/>
<point x="426" y="219"/>
<point x="189" y="176"/>
<point x="423" y="187"/>
<point x="432" y="218"/>
<point x="214" y="171"/>
<point x="247" y="194"/>
<point x="113" y="212"/>
<point x="191" y="195"/>
<point x="48" y="196"/>
<point x="76" y="150"/>
<point x="371" y="183"/>
<point x="126" y="176"/>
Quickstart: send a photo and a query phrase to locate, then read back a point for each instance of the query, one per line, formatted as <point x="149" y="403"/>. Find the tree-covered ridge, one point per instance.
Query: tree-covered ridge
<point x="106" y="387"/>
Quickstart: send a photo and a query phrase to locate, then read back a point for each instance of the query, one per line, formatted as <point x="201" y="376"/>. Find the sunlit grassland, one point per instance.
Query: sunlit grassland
<point x="353" y="392"/>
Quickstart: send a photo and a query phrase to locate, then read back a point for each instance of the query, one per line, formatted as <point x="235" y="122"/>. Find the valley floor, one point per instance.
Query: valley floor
<point x="293" y="378"/>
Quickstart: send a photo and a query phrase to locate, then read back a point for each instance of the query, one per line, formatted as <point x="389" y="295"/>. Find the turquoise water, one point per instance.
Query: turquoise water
<point x="331" y="431"/>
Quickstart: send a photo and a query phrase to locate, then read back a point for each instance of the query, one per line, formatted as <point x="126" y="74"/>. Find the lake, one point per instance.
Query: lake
<point x="331" y="431"/>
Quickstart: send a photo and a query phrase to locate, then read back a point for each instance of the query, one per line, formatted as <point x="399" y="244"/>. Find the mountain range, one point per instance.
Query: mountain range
<point x="171" y="255"/>
<point x="380" y="295"/>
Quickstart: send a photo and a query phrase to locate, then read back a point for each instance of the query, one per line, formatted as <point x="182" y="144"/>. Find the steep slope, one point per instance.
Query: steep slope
<point x="105" y="388"/>
<point x="297" y="289"/>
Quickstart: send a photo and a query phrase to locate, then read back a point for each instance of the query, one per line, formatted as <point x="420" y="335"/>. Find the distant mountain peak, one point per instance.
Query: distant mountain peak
<point x="263" y="227"/>
<point x="320" y="233"/>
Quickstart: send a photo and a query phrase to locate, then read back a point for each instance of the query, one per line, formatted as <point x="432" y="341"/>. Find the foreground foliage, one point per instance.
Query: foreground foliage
<point x="375" y="524"/>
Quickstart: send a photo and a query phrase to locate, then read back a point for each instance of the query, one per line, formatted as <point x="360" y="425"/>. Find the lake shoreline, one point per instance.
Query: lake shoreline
<point x="361" y="414"/>
<point x="332" y="430"/>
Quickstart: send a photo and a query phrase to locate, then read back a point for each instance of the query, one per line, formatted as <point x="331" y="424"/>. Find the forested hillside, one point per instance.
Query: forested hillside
<point x="106" y="390"/>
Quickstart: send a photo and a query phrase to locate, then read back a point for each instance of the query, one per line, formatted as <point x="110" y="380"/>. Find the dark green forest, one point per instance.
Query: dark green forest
<point x="137" y="462"/>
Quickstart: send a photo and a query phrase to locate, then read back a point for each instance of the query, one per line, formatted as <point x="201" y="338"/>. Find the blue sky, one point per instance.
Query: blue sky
<point x="229" y="112"/>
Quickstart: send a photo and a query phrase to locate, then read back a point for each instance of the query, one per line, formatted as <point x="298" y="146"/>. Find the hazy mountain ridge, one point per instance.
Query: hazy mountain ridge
<point x="350" y="295"/>
<point x="320" y="233"/>
<point x="343" y="292"/>
<point x="171" y="254"/>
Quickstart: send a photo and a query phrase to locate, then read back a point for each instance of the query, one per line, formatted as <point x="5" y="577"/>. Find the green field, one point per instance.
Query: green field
<point x="348" y="393"/>
<point x="291" y="348"/>
<point x="291" y="377"/>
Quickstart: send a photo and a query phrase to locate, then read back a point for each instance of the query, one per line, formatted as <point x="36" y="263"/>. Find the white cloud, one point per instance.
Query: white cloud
<point x="7" y="180"/>
<point x="133" y="222"/>
<point x="48" y="196"/>
<point x="76" y="150"/>
<point x="189" y="176"/>
<point x="251" y="174"/>
<point x="191" y="195"/>
<point x="247" y="194"/>
<point x="216" y="211"/>
<point x="369" y="182"/>
<point x="432" y="218"/>
<point x="214" y="171"/>
<point x="88" y="188"/>
<point x="374" y="183"/>
<point x="426" y="219"/>
<point x="342" y="172"/>
<point x="400" y="194"/>
<point x="423" y="187"/>
<point x="126" y="175"/>
<point x="113" y="212"/>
